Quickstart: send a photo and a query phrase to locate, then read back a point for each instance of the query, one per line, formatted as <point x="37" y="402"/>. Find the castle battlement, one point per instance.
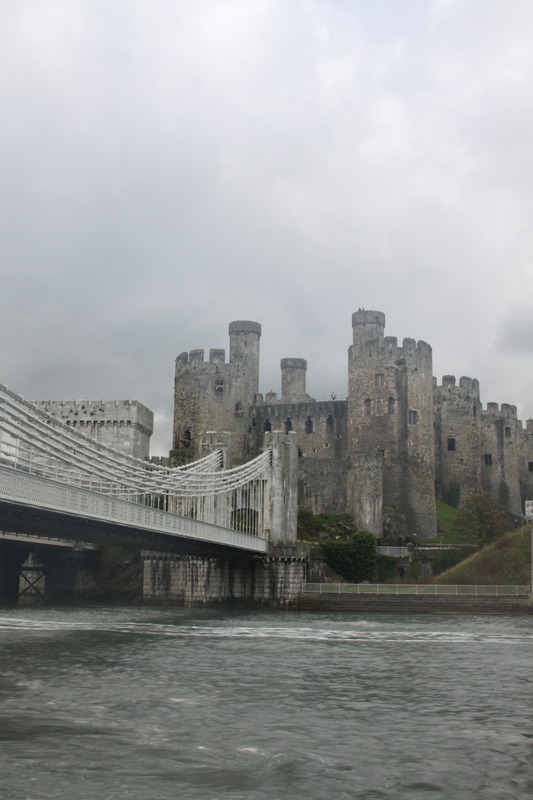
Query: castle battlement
<point x="431" y="440"/>
<point x="468" y="388"/>
<point x="122" y="424"/>
<point x="506" y="410"/>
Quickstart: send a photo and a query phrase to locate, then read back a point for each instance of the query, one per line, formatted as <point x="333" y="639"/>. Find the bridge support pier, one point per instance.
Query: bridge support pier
<point x="275" y="580"/>
<point x="12" y="557"/>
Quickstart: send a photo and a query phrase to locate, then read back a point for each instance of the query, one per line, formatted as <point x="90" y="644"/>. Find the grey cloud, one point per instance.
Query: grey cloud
<point x="168" y="167"/>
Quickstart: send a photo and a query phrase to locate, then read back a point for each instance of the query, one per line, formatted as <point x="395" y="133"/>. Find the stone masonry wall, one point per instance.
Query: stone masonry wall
<point x="192" y="581"/>
<point x="390" y="409"/>
<point x="215" y="395"/>
<point x="124" y="425"/>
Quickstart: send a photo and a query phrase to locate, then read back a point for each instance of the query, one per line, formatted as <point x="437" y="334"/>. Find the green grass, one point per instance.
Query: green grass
<point x="445" y="518"/>
<point x="506" y="561"/>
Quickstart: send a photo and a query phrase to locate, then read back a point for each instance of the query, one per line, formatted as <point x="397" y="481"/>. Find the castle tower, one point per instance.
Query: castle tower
<point x="502" y="455"/>
<point x="293" y="374"/>
<point x="124" y="425"/>
<point x="390" y="410"/>
<point x="245" y="337"/>
<point x="457" y="439"/>
<point x="215" y="395"/>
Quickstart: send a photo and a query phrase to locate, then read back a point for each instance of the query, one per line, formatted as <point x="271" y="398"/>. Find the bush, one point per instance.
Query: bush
<point x="354" y="557"/>
<point x="317" y="527"/>
<point x="481" y="518"/>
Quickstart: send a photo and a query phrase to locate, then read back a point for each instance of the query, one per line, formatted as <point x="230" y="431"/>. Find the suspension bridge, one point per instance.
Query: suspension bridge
<point x="55" y="481"/>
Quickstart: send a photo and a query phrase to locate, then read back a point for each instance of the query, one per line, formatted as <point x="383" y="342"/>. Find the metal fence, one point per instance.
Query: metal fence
<point x="418" y="589"/>
<point x="396" y="552"/>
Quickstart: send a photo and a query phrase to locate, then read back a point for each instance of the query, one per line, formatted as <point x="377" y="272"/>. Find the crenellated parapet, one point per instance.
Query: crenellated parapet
<point x="505" y="411"/>
<point x="215" y="394"/>
<point x="125" y="425"/>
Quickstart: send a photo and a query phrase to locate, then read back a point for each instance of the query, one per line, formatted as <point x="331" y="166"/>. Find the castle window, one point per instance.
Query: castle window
<point x="219" y="385"/>
<point x="507" y="432"/>
<point x="309" y="425"/>
<point x="379" y="408"/>
<point x="288" y="425"/>
<point x="391" y="405"/>
<point x="186" y="441"/>
<point x="238" y="410"/>
<point x="474" y="411"/>
<point x="488" y="459"/>
<point x="267" y="425"/>
<point x="413" y="417"/>
<point x="379" y="379"/>
<point x="451" y="443"/>
<point x="530" y="466"/>
<point x="329" y="424"/>
<point x="368" y="407"/>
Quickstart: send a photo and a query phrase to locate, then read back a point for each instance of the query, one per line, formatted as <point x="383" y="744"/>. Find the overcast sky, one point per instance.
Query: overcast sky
<point x="168" y="166"/>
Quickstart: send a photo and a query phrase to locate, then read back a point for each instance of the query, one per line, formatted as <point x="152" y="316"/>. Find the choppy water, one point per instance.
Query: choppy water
<point x="158" y="704"/>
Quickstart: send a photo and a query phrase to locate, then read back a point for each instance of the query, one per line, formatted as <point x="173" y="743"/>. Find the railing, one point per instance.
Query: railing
<point x="29" y="490"/>
<point x="396" y="552"/>
<point x="425" y="589"/>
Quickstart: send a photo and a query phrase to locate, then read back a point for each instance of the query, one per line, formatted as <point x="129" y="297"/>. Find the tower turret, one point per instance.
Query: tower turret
<point x="293" y="373"/>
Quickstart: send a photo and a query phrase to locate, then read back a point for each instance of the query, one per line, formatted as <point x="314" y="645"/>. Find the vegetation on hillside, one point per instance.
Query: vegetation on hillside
<point x="349" y="552"/>
<point x="445" y="518"/>
<point x="481" y="518"/>
<point x="320" y="527"/>
<point x="506" y="561"/>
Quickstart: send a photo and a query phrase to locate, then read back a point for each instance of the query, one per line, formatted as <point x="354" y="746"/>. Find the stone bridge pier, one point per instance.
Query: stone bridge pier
<point x="274" y="580"/>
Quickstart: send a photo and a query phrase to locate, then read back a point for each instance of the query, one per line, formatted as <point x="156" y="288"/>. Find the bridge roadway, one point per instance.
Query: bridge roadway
<point x="43" y="507"/>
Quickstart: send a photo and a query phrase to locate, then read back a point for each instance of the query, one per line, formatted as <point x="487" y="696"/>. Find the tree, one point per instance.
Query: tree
<point x="482" y="518"/>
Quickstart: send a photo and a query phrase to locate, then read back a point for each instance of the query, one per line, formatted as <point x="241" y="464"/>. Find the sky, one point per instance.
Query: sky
<point x="168" y="166"/>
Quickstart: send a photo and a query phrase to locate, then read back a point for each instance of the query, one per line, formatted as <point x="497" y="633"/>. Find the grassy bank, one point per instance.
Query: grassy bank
<point x="507" y="561"/>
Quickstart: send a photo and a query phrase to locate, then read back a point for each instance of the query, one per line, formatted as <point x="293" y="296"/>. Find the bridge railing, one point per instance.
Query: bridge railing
<point x="427" y="589"/>
<point x="43" y="493"/>
<point x="34" y="442"/>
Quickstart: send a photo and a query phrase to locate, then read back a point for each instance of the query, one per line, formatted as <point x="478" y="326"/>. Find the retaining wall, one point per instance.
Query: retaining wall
<point x="413" y="604"/>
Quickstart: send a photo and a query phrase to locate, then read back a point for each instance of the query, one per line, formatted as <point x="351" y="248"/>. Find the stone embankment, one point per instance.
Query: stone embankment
<point x="413" y="604"/>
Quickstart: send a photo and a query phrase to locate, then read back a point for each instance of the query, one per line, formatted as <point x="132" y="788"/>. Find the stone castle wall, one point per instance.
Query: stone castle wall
<point x="124" y="425"/>
<point x="390" y="410"/>
<point x="215" y="395"/>
<point x="399" y="440"/>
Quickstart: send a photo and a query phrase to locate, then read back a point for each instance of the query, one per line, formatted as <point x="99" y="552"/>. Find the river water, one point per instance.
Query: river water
<point x="153" y="704"/>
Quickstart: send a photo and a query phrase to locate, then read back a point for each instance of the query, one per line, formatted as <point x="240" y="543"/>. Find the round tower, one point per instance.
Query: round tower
<point x="293" y="373"/>
<point x="244" y="339"/>
<point x="368" y="326"/>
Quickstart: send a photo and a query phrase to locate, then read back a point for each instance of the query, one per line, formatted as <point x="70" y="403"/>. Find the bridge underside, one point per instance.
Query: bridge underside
<point x="61" y="525"/>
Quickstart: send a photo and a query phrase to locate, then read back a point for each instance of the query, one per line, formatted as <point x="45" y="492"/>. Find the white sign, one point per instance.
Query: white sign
<point x="529" y="509"/>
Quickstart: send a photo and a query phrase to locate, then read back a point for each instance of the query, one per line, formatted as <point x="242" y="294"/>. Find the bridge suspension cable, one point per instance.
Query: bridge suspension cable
<point x="33" y="441"/>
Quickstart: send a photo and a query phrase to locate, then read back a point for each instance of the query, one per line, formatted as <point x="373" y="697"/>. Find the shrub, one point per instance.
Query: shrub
<point x="354" y="557"/>
<point x="481" y="518"/>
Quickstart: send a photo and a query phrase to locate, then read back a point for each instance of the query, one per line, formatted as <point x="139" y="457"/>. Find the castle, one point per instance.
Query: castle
<point x="124" y="425"/>
<point x="398" y="442"/>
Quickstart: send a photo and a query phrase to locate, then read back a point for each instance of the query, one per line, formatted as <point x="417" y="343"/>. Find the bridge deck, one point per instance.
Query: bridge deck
<point x="20" y="490"/>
